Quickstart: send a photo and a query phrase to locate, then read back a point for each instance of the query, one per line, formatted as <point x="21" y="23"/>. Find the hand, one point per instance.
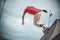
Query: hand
<point x="22" y="22"/>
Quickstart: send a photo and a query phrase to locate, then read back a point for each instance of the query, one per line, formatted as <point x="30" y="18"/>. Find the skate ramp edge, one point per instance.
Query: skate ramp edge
<point x="54" y="32"/>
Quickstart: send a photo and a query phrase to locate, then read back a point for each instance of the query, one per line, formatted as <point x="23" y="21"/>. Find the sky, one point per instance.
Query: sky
<point x="12" y="18"/>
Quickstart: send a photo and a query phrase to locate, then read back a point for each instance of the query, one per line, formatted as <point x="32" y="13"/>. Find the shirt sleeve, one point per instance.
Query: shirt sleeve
<point x="25" y="11"/>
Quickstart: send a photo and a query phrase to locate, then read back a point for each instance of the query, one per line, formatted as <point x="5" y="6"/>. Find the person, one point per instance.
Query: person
<point x="37" y="14"/>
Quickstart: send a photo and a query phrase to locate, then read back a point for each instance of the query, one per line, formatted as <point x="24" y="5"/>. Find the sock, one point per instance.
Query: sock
<point x="41" y="25"/>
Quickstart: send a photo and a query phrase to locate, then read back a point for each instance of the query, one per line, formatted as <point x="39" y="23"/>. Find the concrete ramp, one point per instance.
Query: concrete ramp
<point x="54" y="32"/>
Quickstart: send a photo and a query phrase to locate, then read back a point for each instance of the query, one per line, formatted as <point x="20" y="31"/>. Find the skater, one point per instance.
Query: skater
<point x="37" y="14"/>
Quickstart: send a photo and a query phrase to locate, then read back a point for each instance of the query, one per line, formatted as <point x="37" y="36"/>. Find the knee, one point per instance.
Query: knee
<point x="35" y="23"/>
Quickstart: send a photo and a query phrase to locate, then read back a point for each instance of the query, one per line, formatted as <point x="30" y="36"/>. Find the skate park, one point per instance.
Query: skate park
<point x="10" y="17"/>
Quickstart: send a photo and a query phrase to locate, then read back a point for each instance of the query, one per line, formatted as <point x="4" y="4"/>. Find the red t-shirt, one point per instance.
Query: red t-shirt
<point x="31" y="10"/>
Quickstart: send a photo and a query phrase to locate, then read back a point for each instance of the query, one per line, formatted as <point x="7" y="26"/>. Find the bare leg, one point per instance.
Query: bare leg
<point x="37" y="23"/>
<point x="36" y="20"/>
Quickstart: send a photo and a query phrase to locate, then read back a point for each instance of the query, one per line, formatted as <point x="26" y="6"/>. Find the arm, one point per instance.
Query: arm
<point x="45" y="11"/>
<point x="23" y="18"/>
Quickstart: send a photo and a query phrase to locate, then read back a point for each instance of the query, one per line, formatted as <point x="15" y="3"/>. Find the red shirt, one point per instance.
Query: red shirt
<point x="31" y="10"/>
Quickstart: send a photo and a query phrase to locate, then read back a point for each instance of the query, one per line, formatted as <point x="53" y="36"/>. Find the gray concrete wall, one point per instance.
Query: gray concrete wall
<point x="53" y="31"/>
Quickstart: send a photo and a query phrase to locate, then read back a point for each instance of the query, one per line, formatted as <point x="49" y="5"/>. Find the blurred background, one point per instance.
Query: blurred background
<point x="11" y="12"/>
